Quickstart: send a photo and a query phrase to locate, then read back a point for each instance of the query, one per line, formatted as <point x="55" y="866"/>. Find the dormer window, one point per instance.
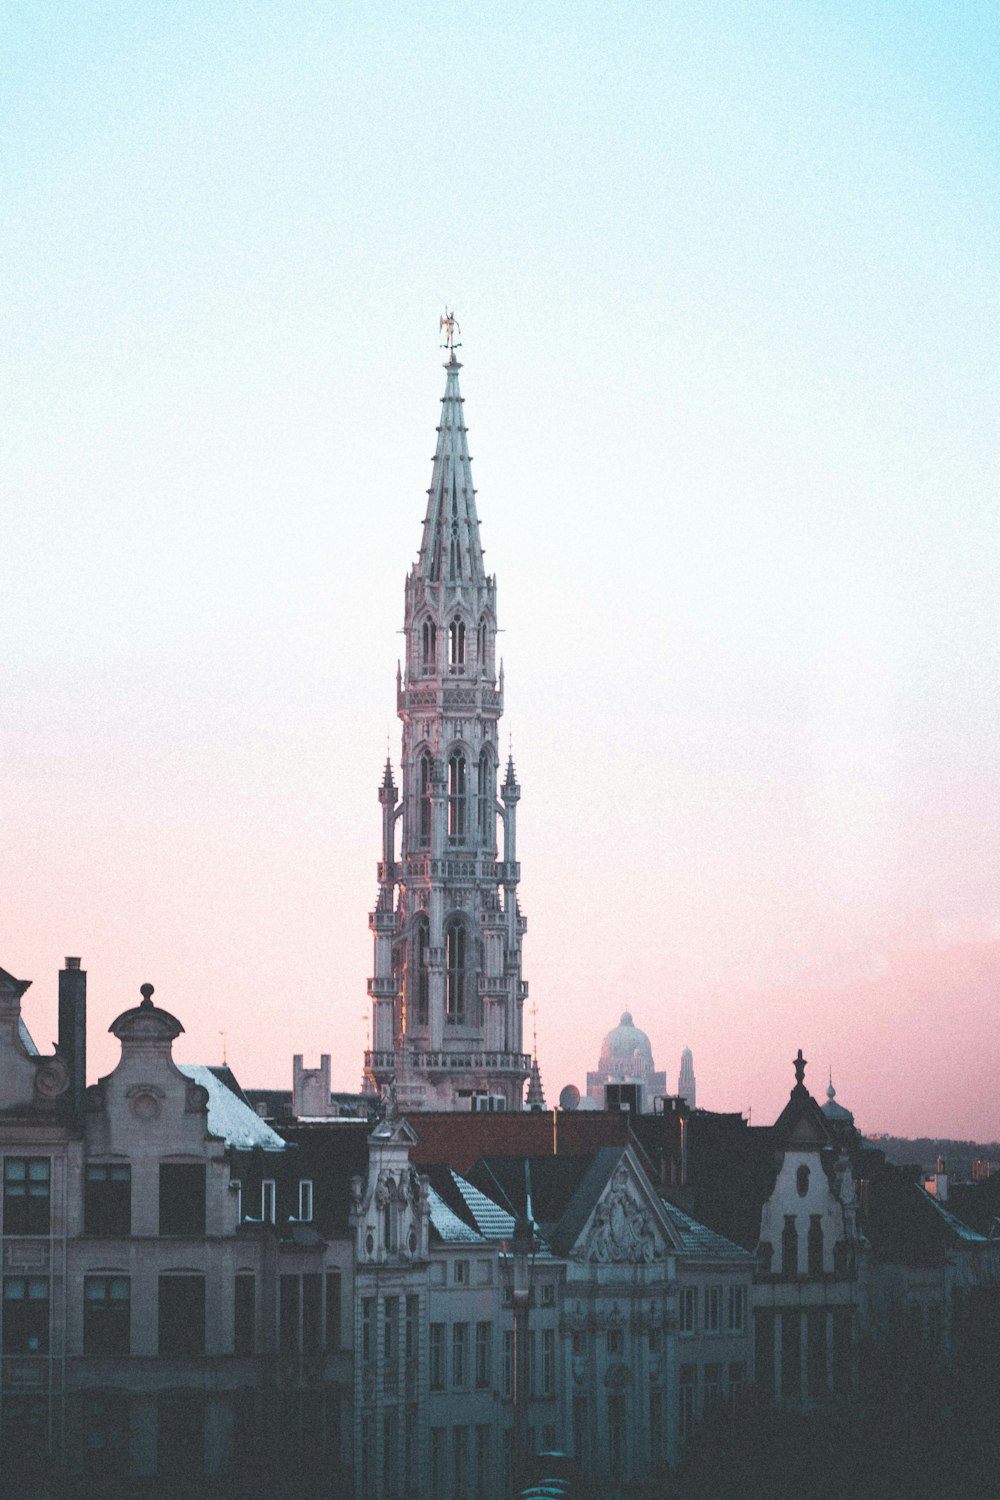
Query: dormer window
<point x="456" y="643"/>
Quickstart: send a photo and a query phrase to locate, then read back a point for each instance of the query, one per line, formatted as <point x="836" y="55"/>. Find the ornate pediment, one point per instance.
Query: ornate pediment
<point x="625" y="1227"/>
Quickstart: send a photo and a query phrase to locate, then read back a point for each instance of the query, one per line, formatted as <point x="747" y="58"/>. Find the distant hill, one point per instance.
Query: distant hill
<point x="959" y="1156"/>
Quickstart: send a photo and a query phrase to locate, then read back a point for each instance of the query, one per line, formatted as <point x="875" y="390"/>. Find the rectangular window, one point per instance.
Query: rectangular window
<point x="460" y="1355"/>
<point x="437" y="1356"/>
<point x="26" y="1181"/>
<point x="182" y="1315"/>
<point x="617" y="1455"/>
<point x="737" y="1309"/>
<point x="182" y="1199"/>
<point x="655" y="1424"/>
<point x="107" y="1199"/>
<point x="712" y="1387"/>
<point x="332" y="1311"/>
<point x="312" y="1313"/>
<point x="508" y="1362"/>
<point x="791" y="1355"/>
<point x="107" y="1321"/>
<point x="764" y="1369"/>
<point x="483" y="1465"/>
<point x="547" y="1294"/>
<point x="688" y="1309"/>
<point x="367" y="1330"/>
<point x="548" y="1361"/>
<point x="460" y="1462"/>
<point x="816" y="1351"/>
<point x="842" y="1350"/>
<point x="814" y="1245"/>
<point x="532" y="1363"/>
<point x="437" y="1460"/>
<point x="616" y="1343"/>
<point x="390" y="1345"/>
<point x="737" y="1379"/>
<point x="411" y="1445"/>
<point x="25" y="1314"/>
<point x="105" y="1436"/>
<point x="581" y="1428"/>
<point x="267" y="1201"/>
<point x="305" y="1201"/>
<point x="180" y="1435"/>
<point x="484" y="1355"/>
<point x="460" y="1274"/>
<point x="390" y="1449"/>
<point x="580" y="1344"/>
<point x="412" y="1335"/>
<point x="686" y="1389"/>
<point x="713" y="1309"/>
<point x="245" y="1315"/>
<point x="484" y="1272"/>
<point x="288" y="1306"/>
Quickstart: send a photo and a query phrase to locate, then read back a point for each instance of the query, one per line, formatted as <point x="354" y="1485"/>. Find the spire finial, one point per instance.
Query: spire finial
<point x="800" y="1069"/>
<point x="147" y="991"/>
<point x="449" y="325"/>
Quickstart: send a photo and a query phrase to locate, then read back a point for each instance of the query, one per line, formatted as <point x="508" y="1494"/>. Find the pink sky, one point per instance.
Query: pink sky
<point x="726" y="289"/>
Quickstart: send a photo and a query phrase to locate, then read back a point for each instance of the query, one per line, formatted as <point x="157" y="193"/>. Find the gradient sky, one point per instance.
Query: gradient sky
<point x="727" y="279"/>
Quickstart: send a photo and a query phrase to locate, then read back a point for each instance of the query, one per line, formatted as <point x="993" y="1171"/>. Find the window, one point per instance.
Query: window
<point x="456" y="643"/>
<point x="456" y="797"/>
<point x="390" y="1449"/>
<point x="816" y="1351"/>
<point x="105" y="1435"/>
<point x="482" y="640"/>
<point x="842" y="1358"/>
<point x="737" y="1379"/>
<point x="182" y="1315"/>
<point x="616" y="1343"/>
<point x="616" y="1436"/>
<point x="107" y="1199"/>
<point x="455" y="976"/>
<point x="484" y="1467"/>
<point x="25" y="1314"/>
<point x="412" y="1334"/>
<point x="332" y="1311"/>
<point x="180" y="1436"/>
<point x="484" y="1272"/>
<point x="437" y="1356"/>
<point x="459" y="1355"/>
<point x="789" y="1247"/>
<point x="460" y="1462"/>
<point x="655" y="1424"/>
<point x="244" y="1314"/>
<point x="737" y="1318"/>
<point x="437" y="1460"/>
<point x="460" y="1275"/>
<point x="791" y="1355"/>
<point x="106" y="1315"/>
<point x="814" y="1245"/>
<point x="390" y="1345"/>
<point x="26" y="1194"/>
<point x="802" y="1181"/>
<point x="422" y="966"/>
<point x="686" y="1393"/>
<point x="484" y="1355"/>
<point x="267" y="1202"/>
<point x="713" y="1309"/>
<point x="508" y="1363"/>
<point x="182" y="1199"/>
<point x="411" y="1429"/>
<point x="688" y="1309"/>
<point x="485" y="793"/>
<point x="428" y="641"/>
<point x="305" y="1201"/>
<point x="548" y="1361"/>
<point x="764" y="1361"/>
<point x="581" y="1426"/>
<point x="712" y="1388"/>
<point x="367" y="1330"/>
<point x="547" y="1294"/>
<point x="580" y="1344"/>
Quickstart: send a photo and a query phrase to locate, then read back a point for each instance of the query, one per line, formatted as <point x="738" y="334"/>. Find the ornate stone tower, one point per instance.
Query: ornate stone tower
<point x="447" y="991"/>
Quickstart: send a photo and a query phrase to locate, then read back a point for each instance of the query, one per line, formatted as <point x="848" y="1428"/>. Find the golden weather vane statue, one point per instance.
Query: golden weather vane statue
<point x="448" y="324"/>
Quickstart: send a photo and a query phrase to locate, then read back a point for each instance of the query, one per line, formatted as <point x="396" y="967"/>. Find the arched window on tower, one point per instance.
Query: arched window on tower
<point x="456" y="797"/>
<point x="456" y="644"/>
<point x="421" y="968"/>
<point x="424" y="800"/>
<point x="482" y="641"/>
<point x="485" y="794"/>
<point x="455" y="976"/>
<point x="429" y="645"/>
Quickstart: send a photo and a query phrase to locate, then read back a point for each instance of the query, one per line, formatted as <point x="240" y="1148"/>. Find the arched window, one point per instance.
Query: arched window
<point x="802" y="1181"/>
<point x="429" y="644"/>
<point x="814" y="1245"/>
<point x="423" y="985"/>
<point x="789" y="1248"/>
<point x="456" y="797"/>
<point x="424" y="794"/>
<point x="455" y="977"/>
<point x="484" y="792"/>
<point x="456" y="643"/>
<point x="481" y="641"/>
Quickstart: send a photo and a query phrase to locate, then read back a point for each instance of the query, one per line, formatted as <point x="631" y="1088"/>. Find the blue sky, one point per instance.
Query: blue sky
<point x="727" y="281"/>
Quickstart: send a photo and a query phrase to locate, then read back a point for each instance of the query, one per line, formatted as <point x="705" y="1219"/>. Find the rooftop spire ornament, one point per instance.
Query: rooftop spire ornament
<point x="449" y="326"/>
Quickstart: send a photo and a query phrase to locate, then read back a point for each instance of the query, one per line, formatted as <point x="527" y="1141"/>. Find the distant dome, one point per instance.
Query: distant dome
<point x="626" y="1049"/>
<point x="836" y="1113"/>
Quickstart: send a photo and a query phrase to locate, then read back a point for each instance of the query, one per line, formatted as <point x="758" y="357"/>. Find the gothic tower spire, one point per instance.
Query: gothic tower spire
<point x="447" y="990"/>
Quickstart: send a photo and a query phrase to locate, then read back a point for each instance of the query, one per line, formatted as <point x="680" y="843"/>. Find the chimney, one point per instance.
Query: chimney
<point x="73" y="1028"/>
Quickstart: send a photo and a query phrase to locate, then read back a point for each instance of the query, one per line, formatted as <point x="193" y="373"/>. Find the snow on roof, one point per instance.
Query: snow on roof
<point x="447" y="1224"/>
<point x="492" y="1221"/>
<point x="229" y="1117"/>
<point x="697" y="1239"/>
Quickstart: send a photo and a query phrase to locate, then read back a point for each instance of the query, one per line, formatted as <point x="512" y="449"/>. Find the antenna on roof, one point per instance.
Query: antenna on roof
<point x="225" y="1060"/>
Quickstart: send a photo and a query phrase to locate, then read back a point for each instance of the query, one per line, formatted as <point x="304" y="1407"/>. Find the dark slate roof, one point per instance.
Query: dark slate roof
<point x="697" y="1239"/>
<point x="580" y="1207"/>
<point x="461" y="1139"/>
<point x="330" y="1153"/>
<point x="552" y="1181"/>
